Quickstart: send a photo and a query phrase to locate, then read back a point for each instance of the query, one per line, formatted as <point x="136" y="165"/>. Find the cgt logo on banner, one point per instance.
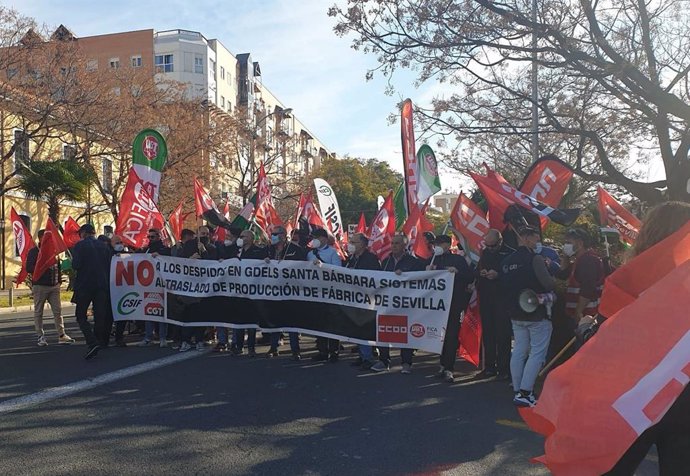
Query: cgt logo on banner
<point x="392" y="329"/>
<point x="154" y="304"/>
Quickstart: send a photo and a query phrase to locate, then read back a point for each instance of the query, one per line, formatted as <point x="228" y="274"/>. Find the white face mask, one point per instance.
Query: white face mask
<point x="538" y="248"/>
<point x="240" y="242"/>
<point x="119" y="247"/>
<point x="350" y="248"/>
<point x="316" y="243"/>
<point x="228" y="242"/>
<point x="568" y="249"/>
<point x="438" y="251"/>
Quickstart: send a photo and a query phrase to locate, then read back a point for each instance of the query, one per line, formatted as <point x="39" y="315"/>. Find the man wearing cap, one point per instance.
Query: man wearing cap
<point x="321" y="252"/>
<point x="456" y="264"/>
<point x="91" y="261"/>
<point x="526" y="270"/>
<point x="584" y="271"/>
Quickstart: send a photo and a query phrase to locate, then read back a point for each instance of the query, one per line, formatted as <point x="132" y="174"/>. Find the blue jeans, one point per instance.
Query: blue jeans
<point x="239" y="338"/>
<point x="162" y="330"/>
<point x="222" y="335"/>
<point x="366" y="352"/>
<point x="531" y="344"/>
<point x="294" y="341"/>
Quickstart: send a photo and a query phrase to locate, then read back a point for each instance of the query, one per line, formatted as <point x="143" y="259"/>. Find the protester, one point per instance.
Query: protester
<point x="117" y="247"/>
<point x="551" y="257"/>
<point x="496" y="327"/>
<point x="155" y="247"/>
<point x="525" y="270"/>
<point x="362" y="258"/>
<point x="281" y="249"/>
<point x="398" y="261"/>
<point x="227" y="249"/>
<point x="321" y="252"/>
<point x="185" y="235"/>
<point x="91" y="261"/>
<point x="672" y="434"/>
<point x="584" y="271"/>
<point x="46" y="288"/>
<point x="456" y="264"/>
<point x="247" y="250"/>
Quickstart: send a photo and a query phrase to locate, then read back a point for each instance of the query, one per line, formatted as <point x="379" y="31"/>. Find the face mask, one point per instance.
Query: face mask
<point x="204" y="240"/>
<point x="239" y="242"/>
<point x="538" y="248"/>
<point x="350" y="248"/>
<point x="228" y="242"/>
<point x="119" y="248"/>
<point x="275" y="239"/>
<point x="316" y="243"/>
<point x="568" y="249"/>
<point x="438" y="251"/>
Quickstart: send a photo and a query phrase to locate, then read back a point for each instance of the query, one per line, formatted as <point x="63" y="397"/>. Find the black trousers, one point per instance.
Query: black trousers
<point x="450" y="341"/>
<point x="327" y="346"/>
<point x="405" y="355"/>
<point x="99" y="298"/>
<point x="193" y="331"/>
<point x="496" y="330"/>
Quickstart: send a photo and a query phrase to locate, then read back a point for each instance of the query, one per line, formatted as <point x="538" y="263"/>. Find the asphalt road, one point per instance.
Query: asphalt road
<point x="219" y="414"/>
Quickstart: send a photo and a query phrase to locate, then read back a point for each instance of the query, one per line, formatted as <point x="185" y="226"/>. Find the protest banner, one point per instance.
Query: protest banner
<point x="365" y="307"/>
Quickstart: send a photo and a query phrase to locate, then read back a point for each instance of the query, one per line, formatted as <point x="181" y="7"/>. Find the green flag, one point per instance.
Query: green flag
<point x="399" y="204"/>
<point x="149" y="153"/>
<point x="243" y="219"/>
<point x="429" y="182"/>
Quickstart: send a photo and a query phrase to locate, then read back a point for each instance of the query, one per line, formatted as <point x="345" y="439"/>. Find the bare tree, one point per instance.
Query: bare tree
<point x="613" y="80"/>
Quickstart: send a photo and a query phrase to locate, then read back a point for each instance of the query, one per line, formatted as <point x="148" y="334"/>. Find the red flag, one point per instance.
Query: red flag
<point x="265" y="213"/>
<point x="308" y="211"/>
<point x="382" y="229"/>
<point x="71" y="235"/>
<point x="23" y="242"/>
<point x="621" y="382"/>
<point x="138" y="213"/>
<point x="629" y="281"/>
<point x="410" y="166"/>
<point x="470" y="335"/>
<point x="469" y="220"/>
<point x="52" y="245"/>
<point x="414" y="227"/>
<point x="614" y="215"/>
<point x="221" y="232"/>
<point x="547" y="180"/>
<point x="362" y="225"/>
<point x="175" y="221"/>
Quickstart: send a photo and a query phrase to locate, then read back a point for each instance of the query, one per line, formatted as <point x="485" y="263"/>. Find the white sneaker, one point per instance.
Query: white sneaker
<point x="185" y="347"/>
<point x="144" y="343"/>
<point x="379" y="366"/>
<point x="65" y="339"/>
<point x="42" y="342"/>
<point x="521" y="400"/>
<point x="163" y="344"/>
<point x="406" y="369"/>
<point x="448" y="376"/>
<point x="200" y="346"/>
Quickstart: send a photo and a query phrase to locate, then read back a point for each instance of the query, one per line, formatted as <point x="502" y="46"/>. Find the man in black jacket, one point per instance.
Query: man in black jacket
<point x="398" y="262"/>
<point x="456" y="264"/>
<point x="362" y="258"/>
<point x="495" y="321"/>
<point x="46" y="288"/>
<point x="91" y="261"/>
<point x="155" y="244"/>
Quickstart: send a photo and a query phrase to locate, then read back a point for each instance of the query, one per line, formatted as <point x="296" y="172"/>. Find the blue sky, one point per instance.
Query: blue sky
<point x="302" y="61"/>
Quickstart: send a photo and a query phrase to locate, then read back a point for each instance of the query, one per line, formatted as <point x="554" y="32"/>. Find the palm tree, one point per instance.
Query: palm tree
<point x="54" y="182"/>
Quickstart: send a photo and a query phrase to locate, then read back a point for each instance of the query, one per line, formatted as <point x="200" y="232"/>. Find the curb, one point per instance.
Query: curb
<point x="29" y="307"/>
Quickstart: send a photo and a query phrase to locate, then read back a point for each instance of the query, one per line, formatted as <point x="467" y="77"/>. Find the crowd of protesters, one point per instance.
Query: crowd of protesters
<point x="515" y="341"/>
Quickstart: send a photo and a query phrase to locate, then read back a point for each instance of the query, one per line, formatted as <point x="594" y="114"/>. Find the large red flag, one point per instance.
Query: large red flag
<point x="547" y="180"/>
<point x="469" y="220"/>
<point x="382" y="229"/>
<point x="362" y="225"/>
<point x="620" y="383"/>
<point x="411" y="168"/>
<point x="175" y="221"/>
<point x="470" y="335"/>
<point x="71" y="234"/>
<point x="308" y="211"/>
<point x="138" y="213"/>
<point x="23" y="242"/>
<point x="414" y="227"/>
<point x="265" y="213"/>
<point x="614" y="215"/>
<point x="52" y="245"/>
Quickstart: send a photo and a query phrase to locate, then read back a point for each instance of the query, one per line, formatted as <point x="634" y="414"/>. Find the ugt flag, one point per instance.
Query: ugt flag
<point x="429" y="182"/>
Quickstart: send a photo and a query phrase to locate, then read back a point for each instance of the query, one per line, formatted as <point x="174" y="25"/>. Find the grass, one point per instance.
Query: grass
<point x="28" y="299"/>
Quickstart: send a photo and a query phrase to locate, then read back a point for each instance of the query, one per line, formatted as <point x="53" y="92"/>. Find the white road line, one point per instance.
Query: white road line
<point x="53" y="393"/>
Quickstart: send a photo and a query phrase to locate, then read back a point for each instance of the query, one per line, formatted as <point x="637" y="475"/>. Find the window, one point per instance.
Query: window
<point x="114" y="63"/>
<point x="21" y="151"/>
<point x="212" y="66"/>
<point x="164" y="63"/>
<point x="92" y="65"/>
<point x="69" y="152"/>
<point x="107" y="174"/>
<point x="222" y="102"/>
<point x="136" y="61"/>
<point x="199" y="64"/>
<point x="222" y="73"/>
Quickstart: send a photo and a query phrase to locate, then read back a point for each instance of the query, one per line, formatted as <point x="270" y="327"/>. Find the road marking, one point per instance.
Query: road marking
<point x="53" y="393"/>
<point x="513" y="424"/>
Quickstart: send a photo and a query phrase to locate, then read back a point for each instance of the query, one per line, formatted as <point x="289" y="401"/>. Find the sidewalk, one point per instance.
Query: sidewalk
<point x="30" y="307"/>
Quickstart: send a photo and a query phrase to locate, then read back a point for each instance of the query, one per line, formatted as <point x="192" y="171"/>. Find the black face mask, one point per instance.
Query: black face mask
<point x="204" y="240"/>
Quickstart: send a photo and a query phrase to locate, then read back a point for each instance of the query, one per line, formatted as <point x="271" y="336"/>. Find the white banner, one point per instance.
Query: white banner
<point x="328" y="203"/>
<point x="366" y="307"/>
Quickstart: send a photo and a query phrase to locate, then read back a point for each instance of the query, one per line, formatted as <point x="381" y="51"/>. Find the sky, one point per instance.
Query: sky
<point x="303" y="62"/>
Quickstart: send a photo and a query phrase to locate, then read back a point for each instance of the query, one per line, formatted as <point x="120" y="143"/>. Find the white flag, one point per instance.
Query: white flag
<point x="329" y="207"/>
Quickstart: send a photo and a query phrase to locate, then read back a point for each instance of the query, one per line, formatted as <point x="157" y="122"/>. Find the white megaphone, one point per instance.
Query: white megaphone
<point x="528" y="301"/>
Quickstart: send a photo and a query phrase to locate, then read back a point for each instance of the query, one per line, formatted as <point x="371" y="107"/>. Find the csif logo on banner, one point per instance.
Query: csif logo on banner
<point x="129" y="303"/>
